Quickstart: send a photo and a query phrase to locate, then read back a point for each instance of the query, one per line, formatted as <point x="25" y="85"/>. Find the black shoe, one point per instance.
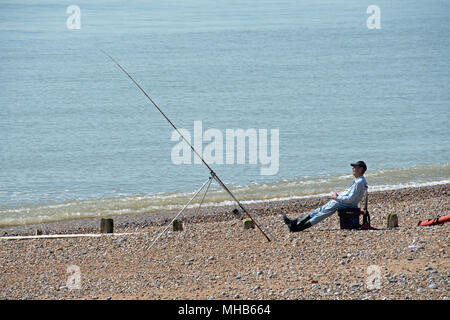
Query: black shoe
<point x="300" y="223"/>
<point x="288" y="222"/>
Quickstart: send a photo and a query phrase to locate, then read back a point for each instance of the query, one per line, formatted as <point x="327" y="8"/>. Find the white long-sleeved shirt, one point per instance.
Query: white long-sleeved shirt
<point x="354" y="193"/>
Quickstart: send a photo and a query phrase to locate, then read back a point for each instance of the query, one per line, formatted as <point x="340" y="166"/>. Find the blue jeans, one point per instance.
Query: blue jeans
<point x="325" y="211"/>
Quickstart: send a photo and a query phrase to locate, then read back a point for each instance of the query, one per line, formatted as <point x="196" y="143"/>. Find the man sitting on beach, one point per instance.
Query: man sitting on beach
<point x="350" y="199"/>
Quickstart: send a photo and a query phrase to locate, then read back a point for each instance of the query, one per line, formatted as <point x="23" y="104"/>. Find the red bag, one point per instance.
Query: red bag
<point x="432" y="222"/>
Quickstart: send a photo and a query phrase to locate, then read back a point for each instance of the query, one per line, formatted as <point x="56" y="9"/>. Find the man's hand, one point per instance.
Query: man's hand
<point x="334" y="196"/>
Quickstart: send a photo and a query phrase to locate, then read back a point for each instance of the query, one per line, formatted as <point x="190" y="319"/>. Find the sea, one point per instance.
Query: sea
<point x="330" y="82"/>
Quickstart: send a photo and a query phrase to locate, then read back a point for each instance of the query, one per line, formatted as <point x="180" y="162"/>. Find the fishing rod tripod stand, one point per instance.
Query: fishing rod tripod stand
<point x="207" y="182"/>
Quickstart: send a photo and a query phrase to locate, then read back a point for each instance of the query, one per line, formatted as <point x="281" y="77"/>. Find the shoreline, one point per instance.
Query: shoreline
<point x="71" y="209"/>
<point x="127" y="222"/>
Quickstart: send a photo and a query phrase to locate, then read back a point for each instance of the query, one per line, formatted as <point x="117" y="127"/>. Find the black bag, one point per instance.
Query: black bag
<point x="349" y="218"/>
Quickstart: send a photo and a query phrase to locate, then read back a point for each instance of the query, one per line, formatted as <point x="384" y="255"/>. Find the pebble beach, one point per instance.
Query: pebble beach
<point x="215" y="258"/>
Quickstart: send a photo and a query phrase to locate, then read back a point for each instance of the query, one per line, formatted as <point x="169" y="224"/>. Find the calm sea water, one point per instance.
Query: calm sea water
<point x="78" y="139"/>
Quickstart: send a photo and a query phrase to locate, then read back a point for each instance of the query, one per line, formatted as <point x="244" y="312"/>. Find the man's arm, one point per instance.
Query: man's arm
<point x="353" y="196"/>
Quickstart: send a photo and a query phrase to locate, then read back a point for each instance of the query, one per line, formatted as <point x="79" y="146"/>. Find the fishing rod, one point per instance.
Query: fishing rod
<point x="213" y="174"/>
